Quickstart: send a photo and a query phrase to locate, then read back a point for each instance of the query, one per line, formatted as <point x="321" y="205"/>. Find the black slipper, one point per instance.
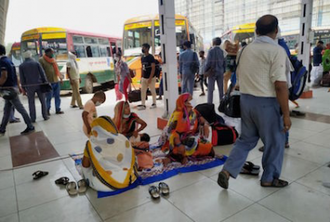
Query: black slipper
<point x="261" y="149"/>
<point x="252" y="172"/>
<point x="62" y="180"/>
<point x="251" y="166"/>
<point x="38" y="174"/>
<point x="276" y="183"/>
<point x="154" y="192"/>
<point x="164" y="189"/>
<point x="223" y="180"/>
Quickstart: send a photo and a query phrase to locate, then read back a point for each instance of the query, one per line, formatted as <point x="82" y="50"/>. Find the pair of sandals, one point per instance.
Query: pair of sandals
<point x="72" y="187"/>
<point x="163" y="189"/>
<point x="250" y="169"/>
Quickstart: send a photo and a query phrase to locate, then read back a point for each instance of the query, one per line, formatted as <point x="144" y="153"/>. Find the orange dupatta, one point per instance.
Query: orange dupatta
<point x="53" y="62"/>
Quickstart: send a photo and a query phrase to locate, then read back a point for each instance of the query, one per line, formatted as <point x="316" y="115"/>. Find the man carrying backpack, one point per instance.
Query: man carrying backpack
<point x="9" y="91"/>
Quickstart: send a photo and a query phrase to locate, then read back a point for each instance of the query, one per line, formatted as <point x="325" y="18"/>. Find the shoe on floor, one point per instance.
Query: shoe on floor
<point x="202" y="94"/>
<point x="59" y="112"/>
<point x="153" y="106"/>
<point x="81" y="107"/>
<point x="48" y="113"/>
<point x="73" y="106"/>
<point x="223" y="180"/>
<point x="15" y="120"/>
<point x="46" y="118"/>
<point x="2" y="133"/>
<point x="141" y="107"/>
<point x="28" y="130"/>
<point x="159" y="98"/>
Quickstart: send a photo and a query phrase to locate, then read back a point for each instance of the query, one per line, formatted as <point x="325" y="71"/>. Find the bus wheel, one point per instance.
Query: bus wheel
<point x="88" y="84"/>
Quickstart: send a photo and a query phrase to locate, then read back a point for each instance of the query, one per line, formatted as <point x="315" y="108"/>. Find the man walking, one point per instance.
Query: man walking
<point x="53" y="75"/>
<point x="9" y="91"/>
<point x="188" y="67"/>
<point x="148" y="79"/>
<point x="72" y="71"/>
<point x="215" y="60"/>
<point x="264" y="98"/>
<point x="32" y="76"/>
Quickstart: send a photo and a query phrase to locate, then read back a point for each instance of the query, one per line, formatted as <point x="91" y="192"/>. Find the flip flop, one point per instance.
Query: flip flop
<point x="82" y="186"/>
<point x="154" y="192"/>
<point x="62" y="181"/>
<point x="278" y="183"/>
<point x="38" y="174"/>
<point x="71" y="187"/>
<point x="252" y="172"/>
<point x="164" y="189"/>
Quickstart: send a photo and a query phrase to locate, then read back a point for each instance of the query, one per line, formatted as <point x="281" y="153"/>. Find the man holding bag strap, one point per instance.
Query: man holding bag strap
<point x="264" y="98"/>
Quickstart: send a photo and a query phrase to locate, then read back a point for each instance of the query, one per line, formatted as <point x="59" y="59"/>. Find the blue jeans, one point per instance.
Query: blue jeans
<point x="161" y="90"/>
<point x="260" y="119"/>
<point x="56" y="94"/>
<point x="187" y="83"/>
<point x="210" y="87"/>
<point x="16" y="103"/>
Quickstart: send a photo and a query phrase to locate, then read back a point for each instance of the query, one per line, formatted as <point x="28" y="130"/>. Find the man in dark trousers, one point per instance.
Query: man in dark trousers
<point x="32" y="76"/>
<point x="9" y="90"/>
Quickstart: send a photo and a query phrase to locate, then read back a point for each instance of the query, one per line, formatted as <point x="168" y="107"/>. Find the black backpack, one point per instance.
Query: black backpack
<point x="158" y="68"/>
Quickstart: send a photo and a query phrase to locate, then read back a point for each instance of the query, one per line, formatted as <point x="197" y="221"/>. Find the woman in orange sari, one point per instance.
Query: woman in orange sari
<point x="186" y="133"/>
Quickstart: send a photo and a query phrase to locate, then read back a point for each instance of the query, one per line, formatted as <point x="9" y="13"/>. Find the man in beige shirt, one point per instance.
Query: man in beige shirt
<point x="73" y="72"/>
<point x="264" y="105"/>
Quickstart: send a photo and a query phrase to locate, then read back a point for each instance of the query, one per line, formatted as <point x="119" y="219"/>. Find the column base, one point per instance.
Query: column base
<point x="306" y="95"/>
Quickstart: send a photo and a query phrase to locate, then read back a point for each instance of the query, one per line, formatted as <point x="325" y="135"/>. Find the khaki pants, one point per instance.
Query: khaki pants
<point x="144" y="86"/>
<point x="76" y="93"/>
<point x="226" y="78"/>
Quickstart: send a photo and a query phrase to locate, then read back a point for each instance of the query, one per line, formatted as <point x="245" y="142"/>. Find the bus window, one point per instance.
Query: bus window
<point x="104" y="41"/>
<point x="80" y="50"/>
<point x="58" y="45"/>
<point x="78" y="39"/>
<point x="89" y="40"/>
<point x="103" y="51"/>
<point x="134" y="38"/>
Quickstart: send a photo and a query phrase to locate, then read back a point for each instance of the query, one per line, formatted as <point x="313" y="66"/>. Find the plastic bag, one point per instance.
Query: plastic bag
<point x="316" y="75"/>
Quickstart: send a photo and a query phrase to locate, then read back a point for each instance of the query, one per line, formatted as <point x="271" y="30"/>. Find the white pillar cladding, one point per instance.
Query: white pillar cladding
<point x="3" y="17"/>
<point x="306" y="37"/>
<point x="168" y="50"/>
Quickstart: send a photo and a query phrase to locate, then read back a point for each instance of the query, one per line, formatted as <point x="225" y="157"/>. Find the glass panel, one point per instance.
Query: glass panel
<point x="80" y="50"/>
<point x="180" y="29"/>
<point x="77" y="39"/>
<point x="58" y="45"/>
<point x="104" y="41"/>
<point x="135" y="37"/>
<point x="103" y="52"/>
<point x="90" y="40"/>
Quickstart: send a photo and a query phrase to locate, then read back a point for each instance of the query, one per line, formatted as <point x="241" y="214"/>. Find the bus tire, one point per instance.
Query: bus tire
<point x="88" y="84"/>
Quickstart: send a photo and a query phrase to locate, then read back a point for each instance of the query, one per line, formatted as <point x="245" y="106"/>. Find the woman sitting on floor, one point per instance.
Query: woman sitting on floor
<point x="129" y="124"/>
<point x="186" y="133"/>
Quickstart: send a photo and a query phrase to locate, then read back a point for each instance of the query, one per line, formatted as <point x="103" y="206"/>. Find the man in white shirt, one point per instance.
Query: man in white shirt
<point x="74" y="76"/>
<point x="264" y="99"/>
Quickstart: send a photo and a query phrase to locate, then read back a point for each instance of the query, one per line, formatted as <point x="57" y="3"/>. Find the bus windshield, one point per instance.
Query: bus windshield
<point x="135" y="35"/>
<point x="180" y="33"/>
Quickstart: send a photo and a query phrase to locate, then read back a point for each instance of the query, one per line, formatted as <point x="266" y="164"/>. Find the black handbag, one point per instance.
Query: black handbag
<point x="230" y="104"/>
<point x="46" y="87"/>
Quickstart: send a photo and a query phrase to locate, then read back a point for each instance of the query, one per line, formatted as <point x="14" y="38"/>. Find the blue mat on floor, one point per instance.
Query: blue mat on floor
<point x="164" y="175"/>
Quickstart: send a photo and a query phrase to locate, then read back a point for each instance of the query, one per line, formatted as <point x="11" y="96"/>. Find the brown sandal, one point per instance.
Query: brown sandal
<point x="276" y="183"/>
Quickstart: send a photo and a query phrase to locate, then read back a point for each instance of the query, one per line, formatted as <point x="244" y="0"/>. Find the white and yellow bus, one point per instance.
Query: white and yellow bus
<point x="146" y="29"/>
<point x="95" y="53"/>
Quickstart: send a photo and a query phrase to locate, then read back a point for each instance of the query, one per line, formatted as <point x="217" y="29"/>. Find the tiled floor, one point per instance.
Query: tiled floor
<point x="194" y="196"/>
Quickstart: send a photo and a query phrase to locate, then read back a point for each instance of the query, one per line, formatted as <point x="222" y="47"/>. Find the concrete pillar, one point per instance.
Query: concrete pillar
<point x="168" y="46"/>
<point x="3" y="18"/>
<point x="305" y="39"/>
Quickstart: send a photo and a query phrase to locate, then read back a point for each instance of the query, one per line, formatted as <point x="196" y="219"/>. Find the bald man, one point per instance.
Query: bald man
<point x="264" y="106"/>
